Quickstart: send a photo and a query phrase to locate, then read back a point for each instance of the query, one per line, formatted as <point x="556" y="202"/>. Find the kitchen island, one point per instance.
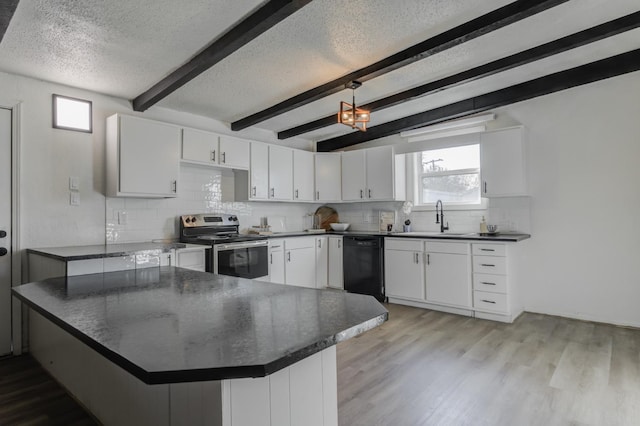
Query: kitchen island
<point x="172" y="346"/>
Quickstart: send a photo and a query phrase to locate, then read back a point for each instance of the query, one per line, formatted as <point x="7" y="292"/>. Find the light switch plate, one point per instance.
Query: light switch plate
<point x="74" y="183"/>
<point x="74" y="198"/>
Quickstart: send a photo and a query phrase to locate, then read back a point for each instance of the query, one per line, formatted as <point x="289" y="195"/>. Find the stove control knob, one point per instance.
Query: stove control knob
<point x="233" y="218"/>
<point x="187" y="220"/>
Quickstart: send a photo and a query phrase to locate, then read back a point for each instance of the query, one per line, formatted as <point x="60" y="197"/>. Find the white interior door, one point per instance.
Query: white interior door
<point x="5" y="231"/>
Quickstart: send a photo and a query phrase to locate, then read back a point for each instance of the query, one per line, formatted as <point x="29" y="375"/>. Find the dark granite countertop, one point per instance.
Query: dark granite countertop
<point x="102" y="250"/>
<point x="170" y="325"/>
<point x="502" y="237"/>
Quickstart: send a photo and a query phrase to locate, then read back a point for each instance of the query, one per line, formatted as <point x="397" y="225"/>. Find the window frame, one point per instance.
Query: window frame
<point x="414" y="172"/>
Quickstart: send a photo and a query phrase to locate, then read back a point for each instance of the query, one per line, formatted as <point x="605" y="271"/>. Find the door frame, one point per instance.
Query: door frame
<point x="15" y="247"/>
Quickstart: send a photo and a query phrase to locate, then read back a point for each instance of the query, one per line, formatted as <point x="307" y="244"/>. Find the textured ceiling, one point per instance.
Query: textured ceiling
<point x="123" y="48"/>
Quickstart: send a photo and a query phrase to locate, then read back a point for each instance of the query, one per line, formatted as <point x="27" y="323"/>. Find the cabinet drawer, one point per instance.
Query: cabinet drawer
<point x="489" y="265"/>
<point x="405" y="244"/>
<point x="299" y="243"/>
<point x="491" y="283"/>
<point x="489" y="249"/>
<point x="494" y="302"/>
<point x="447" y="247"/>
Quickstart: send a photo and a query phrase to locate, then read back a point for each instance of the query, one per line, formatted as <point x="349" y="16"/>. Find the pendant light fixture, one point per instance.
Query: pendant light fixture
<point x="350" y="114"/>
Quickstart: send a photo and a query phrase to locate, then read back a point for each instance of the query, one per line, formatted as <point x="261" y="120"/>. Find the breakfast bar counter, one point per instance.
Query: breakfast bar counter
<point x="159" y="329"/>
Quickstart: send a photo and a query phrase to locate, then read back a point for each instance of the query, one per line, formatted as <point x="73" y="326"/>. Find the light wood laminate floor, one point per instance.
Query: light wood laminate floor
<point x="430" y="368"/>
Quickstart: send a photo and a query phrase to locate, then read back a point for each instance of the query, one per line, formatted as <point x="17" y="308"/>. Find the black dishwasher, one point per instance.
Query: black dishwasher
<point x="363" y="259"/>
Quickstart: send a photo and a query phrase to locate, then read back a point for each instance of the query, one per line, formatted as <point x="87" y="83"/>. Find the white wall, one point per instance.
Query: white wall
<point x="583" y="259"/>
<point x="49" y="156"/>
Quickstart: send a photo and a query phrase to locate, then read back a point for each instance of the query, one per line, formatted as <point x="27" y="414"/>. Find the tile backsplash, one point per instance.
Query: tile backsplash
<point x="208" y="190"/>
<point x="202" y="190"/>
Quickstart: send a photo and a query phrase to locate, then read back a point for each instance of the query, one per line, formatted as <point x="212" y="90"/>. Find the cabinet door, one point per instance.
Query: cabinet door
<point x="199" y="146"/>
<point x="502" y="163"/>
<point x="300" y="267"/>
<point x="259" y="171"/>
<point x="280" y="173"/>
<point x="303" y="175"/>
<point x="404" y="274"/>
<point x="448" y="278"/>
<point x="322" y="261"/>
<point x="328" y="179"/>
<point x="276" y="264"/>
<point x="380" y="173"/>
<point x="149" y="157"/>
<point x="353" y="176"/>
<point x="336" y="273"/>
<point x="234" y="152"/>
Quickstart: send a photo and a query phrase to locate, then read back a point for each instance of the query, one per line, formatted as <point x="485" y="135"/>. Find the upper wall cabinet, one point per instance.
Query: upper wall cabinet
<point x="372" y="174"/>
<point x="328" y="173"/>
<point x="502" y="163"/>
<point x="259" y="172"/>
<point x="303" y="175"/>
<point x="142" y="157"/>
<point x="280" y="173"/>
<point x="210" y="148"/>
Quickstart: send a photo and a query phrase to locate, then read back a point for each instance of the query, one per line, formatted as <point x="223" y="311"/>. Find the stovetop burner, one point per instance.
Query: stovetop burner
<point x="212" y="229"/>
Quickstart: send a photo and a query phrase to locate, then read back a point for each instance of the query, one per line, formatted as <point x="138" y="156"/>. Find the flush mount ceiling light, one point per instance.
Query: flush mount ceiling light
<point x="350" y="114"/>
<point x="71" y="114"/>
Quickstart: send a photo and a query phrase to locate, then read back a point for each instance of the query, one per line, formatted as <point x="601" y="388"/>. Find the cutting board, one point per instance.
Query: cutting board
<point x="327" y="216"/>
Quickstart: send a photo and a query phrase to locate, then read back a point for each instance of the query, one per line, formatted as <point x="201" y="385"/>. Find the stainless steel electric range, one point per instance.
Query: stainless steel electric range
<point x="231" y="253"/>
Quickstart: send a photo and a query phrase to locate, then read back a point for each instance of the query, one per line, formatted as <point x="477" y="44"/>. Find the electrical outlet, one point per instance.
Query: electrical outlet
<point x="74" y="198"/>
<point x="122" y="218"/>
<point x="367" y="217"/>
<point x="74" y="183"/>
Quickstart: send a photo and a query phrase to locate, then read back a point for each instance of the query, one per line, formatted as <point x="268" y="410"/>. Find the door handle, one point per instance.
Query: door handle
<point x="296" y="193"/>
<point x="273" y="192"/>
<point x="288" y="256"/>
<point x="416" y="257"/>
<point x="224" y="157"/>
<point x="254" y="190"/>
<point x="175" y="186"/>
<point x="271" y="258"/>
<point x="361" y="193"/>
<point x="485" y="186"/>
<point x="317" y="195"/>
<point x="213" y="155"/>
<point x="369" y="193"/>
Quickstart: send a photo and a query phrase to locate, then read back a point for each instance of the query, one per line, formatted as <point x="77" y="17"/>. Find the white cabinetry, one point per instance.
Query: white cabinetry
<point x="300" y="261"/>
<point x="336" y="275"/>
<point x="448" y="273"/>
<point x="353" y="175"/>
<point x="191" y="257"/>
<point x="303" y="175"/>
<point x="494" y="295"/>
<point x="372" y="174"/>
<point x="404" y="268"/>
<point x="276" y="261"/>
<point x="502" y="163"/>
<point x="322" y="261"/>
<point x="280" y="173"/>
<point x="142" y="157"/>
<point x="259" y="171"/>
<point x="328" y="177"/>
<point x="234" y="152"/>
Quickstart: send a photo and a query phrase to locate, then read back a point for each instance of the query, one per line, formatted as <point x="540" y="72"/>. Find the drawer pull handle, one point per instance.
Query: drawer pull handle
<point x="488" y="301"/>
<point x="487" y="264"/>
<point x="483" y="249"/>
<point x="487" y="283"/>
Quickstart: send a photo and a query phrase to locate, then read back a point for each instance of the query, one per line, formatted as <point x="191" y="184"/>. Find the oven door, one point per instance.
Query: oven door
<point x="244" y="260"/>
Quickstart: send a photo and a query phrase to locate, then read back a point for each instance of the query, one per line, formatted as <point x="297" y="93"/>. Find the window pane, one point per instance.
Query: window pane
<point x="462" y="188"/>
<point x="460" y="157"/>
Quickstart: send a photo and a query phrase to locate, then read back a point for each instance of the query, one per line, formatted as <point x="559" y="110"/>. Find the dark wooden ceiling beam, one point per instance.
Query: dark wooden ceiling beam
<point x="484" y="24"/>
<point x="555" y="47"/>
<point x="242" y="33"/>
<point x="584" y="74"/>
<point x="7" y="9"/>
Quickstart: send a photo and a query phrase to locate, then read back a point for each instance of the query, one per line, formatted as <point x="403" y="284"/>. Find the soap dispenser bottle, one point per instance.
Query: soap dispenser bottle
<point x="483" y="226"/>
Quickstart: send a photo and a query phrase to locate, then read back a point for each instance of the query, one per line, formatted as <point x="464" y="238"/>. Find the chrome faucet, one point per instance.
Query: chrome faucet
<point x="440" y="217"/>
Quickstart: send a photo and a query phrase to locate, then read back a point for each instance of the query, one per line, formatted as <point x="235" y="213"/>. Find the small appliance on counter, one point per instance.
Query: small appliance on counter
<point x="230" y="253"/>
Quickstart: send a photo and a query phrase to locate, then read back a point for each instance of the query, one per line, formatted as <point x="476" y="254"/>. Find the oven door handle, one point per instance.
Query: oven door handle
<point x="232" y="246"/>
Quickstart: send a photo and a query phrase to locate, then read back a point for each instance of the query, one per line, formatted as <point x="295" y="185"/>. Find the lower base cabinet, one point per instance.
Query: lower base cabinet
<point x="305" y="393"/>
<point x="462" y="277"/>
<point x="335" y="274"/>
